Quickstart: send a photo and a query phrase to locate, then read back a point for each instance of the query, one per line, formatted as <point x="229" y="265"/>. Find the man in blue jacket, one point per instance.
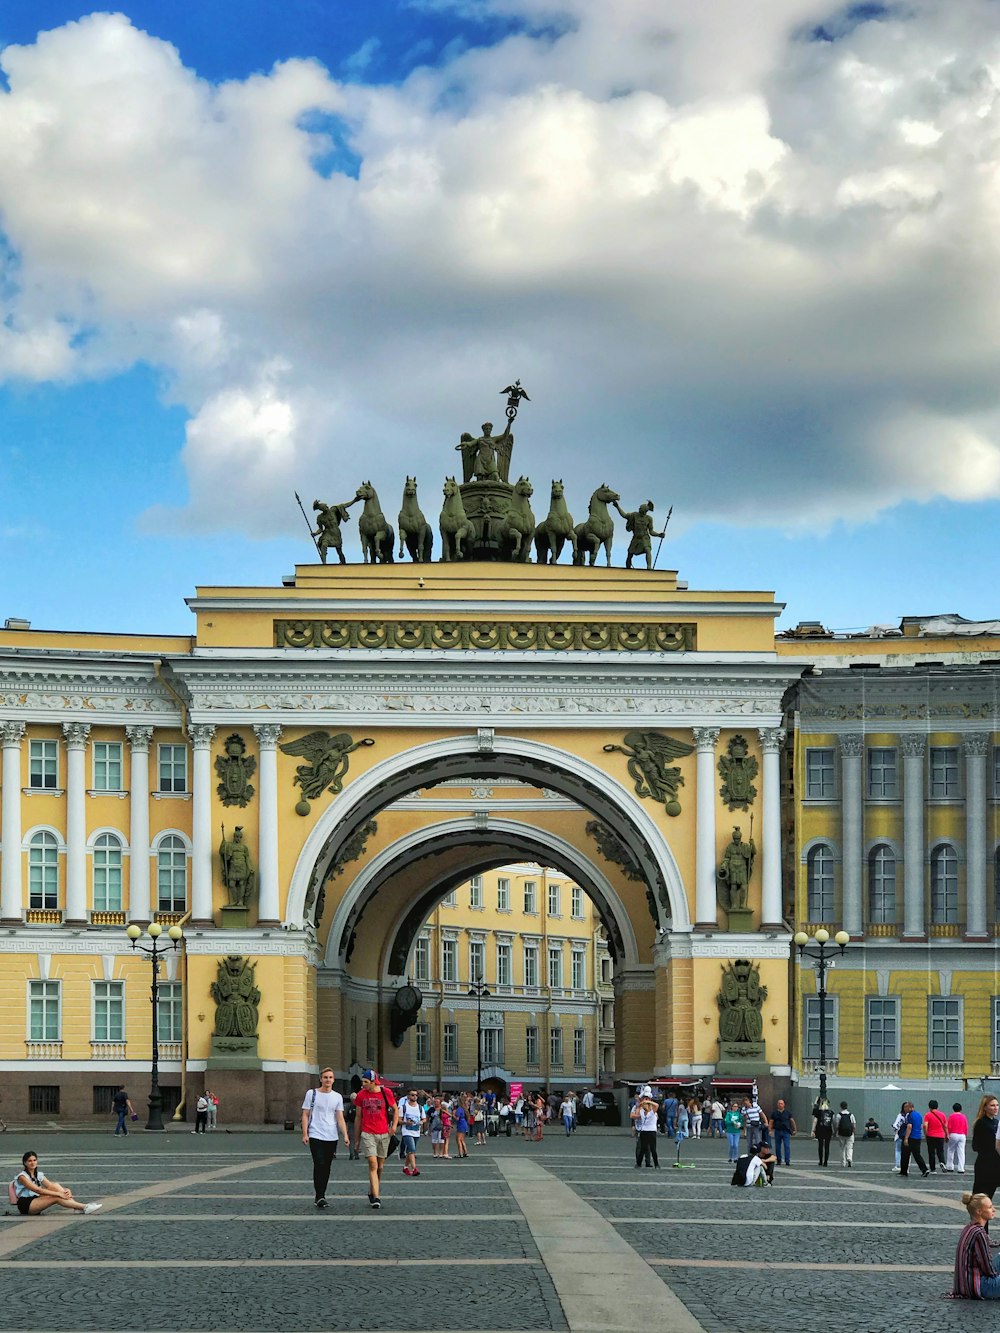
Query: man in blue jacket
<point x="913" y="1135"/>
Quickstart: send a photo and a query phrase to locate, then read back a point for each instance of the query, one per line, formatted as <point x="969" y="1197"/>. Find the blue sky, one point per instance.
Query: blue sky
<point x="750" y="274"/>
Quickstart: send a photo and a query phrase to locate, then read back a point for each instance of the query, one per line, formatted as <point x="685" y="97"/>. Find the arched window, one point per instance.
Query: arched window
<point x="43" y="871"/>
<point x="819" y="883"/>
<point x="171" y="874"/>
<point x="944" y="885"/>
<point x="107" y="873"/>
<point x="882" y="885"/>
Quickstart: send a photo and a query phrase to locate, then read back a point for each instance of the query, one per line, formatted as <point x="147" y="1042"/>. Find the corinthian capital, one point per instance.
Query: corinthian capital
<point x="268" y="734"/>
<point x="852" y="746"/>
<point x="771" y="739"/>
<point x="977" y="743"/>
<point x="705" y="738"/>
<point x="139" y="738"/>
<point x="201" y="735"/>
<point x="913" y="745"/>
<point x="11" y="733"/>
<point x="76" y="734"/>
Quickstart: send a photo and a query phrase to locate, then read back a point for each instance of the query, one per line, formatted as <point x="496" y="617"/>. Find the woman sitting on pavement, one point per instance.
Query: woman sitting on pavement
<point x="975" y="1276"/>
<point x="35" y="1192"/>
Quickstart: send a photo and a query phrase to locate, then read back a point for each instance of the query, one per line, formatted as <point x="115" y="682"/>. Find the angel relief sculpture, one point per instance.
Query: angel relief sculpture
<point x="326" y="763"/>
<point x="650" y="755"/>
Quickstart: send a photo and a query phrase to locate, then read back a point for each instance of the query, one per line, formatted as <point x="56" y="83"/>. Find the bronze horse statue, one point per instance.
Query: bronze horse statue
<point x="377" y="536"/>
<point x="555" y="529"/>
<point x="415" y="533"/>
<point x="519" y="523"/>
<point x="598" y="529"/>
<point x="454" y="523"/>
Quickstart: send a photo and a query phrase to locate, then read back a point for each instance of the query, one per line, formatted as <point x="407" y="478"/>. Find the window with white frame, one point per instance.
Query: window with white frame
<point x="503" y="895"/>
<point x="820" y="895"/>
<point x="605" y="971"/>
<point x="171" y="874"/>
<point x="169" y="1011"/>
<point x="476" y="893"/>
<point x="810" y="1027"/>
<point x="107" y="873"/>
<point x="172" y="767"/>
<point x="43" y="871"/>
<point x="504" y="963"/>
<point x="477" y="960"/>
<point x="554" y="909"/>
<point x="449" y="1043"/>
<point x="882" y="885"/>
<point x="943" y="761"/>
<point x="530" y="897"/>
<point x="555" y="965"/>
<point x="531" y="1046"/>
<point x="579" y="1047"/>
<point x="422" y="1043"/>
<point x="881" y="1027"/>
<point x="883" y="773"/>
<point x="107" y="766"/>
<point x="996" y="1030"/>
<point x="44" y="1011"/>
<point x="555" y="1047"/>
<point x="944" y="1028"/>
<point x="492" y="1046"/>
<point x="109" y="1011"/>
<point x="449" y="960"/>
<point x="576" y="902"/>
<point x="821" y="784"/>
<point x="531" y="964"/>
<point x="422" y="959"/>
<point x="944" y="885"/>
<point x="43" y="765"/>
<point x="579" y="966"/>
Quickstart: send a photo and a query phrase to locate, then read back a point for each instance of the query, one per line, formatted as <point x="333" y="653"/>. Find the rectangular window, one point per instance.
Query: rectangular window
<point x="579" y="1047"/>
<point x="883" y="774"/>
<point x="492" y="1046"/>
<point x="504" y="965"/>
<point x="881" y="1028"/>
<point x="449" y="899"/>
<point x="109" y="1011"/>
<point x="43" y="1099"/>
<point x="555" y="965"/>
<point x="422" y="959"/>
<point x="422" y="1043"/>
<point x="555" y="1047"/>
<point x="531" y="1046"/>
<point x="43" y="1010"/>
<point x="107" y="766"/>
<point x="944" y="772"/>
<point x="530" y="897"/>
<point x="605" y="971"/>
<point x="820" y="775"/>
<point x="554" y="900"/>
<point x="450" y="1043"/>
<point x="944" y="1034"/>
<point x="576" y="902"/>
<point x="579" y="969"/>
<point x="104" y="1097"/>
<point x="476" y="893"/>
<point x="503" y="895"/>
<point x="811" y="1027"/>
<point x="477" y="960"/>
<point x="173" y="768"/>
<point x="169" y="1011"/>
<point x="449" y="960"/>
<point x="43" y="764"/>
<point x="531" y="964"/>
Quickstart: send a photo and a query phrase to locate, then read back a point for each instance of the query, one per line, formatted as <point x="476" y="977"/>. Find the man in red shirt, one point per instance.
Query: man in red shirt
<point x="376" y="1111"/>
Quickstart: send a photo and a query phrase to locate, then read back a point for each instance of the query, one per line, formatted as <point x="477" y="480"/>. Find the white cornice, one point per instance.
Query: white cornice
<point x="375" y="607"/>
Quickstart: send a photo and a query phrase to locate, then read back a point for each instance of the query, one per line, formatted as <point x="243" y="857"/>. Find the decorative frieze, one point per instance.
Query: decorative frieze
<point x="515" y="635"/>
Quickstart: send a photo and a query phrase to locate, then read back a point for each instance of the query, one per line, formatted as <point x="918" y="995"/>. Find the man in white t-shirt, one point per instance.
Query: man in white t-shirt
<point x="323" y="1125"/>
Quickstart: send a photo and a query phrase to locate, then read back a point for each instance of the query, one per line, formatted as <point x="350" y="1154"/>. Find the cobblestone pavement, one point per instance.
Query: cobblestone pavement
<point x="222" y="1234"/>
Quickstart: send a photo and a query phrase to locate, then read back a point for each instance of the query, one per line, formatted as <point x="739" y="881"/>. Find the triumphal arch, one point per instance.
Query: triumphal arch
<point x="379" y="732"/>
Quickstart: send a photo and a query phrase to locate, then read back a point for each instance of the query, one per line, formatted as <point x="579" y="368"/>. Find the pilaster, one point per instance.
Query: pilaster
<point x="914" y="748"/>
<point x="76" y="735"/>
<point x="201" y="735"/>
<point x="140" y="906"/>
<point x="268" y="736"/>
<point x="706" y="870"/>
<point x="852" y="833"/>
<point x="772" y="914"/>
<point x="11" y="895"/>
<point x="976" y="749"/>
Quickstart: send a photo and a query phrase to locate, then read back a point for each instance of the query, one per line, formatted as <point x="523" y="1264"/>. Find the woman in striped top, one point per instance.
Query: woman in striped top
<point x="975" y="1277"/>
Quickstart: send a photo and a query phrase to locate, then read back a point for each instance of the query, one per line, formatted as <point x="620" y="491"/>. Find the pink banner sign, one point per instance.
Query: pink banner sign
<point x="516" y="1090"/>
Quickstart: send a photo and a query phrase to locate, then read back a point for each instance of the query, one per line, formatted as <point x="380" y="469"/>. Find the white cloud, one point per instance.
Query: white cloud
<point x="711" y="247"/>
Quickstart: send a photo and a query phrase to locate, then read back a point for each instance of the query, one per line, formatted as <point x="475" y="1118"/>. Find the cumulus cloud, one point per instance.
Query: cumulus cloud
<point x="713" y="246"/>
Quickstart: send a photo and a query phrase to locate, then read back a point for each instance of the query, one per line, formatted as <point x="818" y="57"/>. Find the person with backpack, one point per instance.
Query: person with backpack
<point x="323" y="1125"/>
<point x="846" y="1129"/>
<point x="376" y="1112"/>
<point x="123" y="1108"/>
<point x="935" y="1134"/>
<point x="32" y="1192"/>
<point x="822" y="1130"/>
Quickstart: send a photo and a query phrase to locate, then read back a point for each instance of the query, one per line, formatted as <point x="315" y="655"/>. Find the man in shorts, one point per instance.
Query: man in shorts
<point x="410" y="1116"/>
<point x="376" y="1108"/>
<point x="323" y="1125"/>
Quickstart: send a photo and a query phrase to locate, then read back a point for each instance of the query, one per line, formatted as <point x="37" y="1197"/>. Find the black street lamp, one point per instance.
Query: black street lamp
<point x="822" y="959"/>
<point x="154" y="930"/>
<point x="480" y="991"/>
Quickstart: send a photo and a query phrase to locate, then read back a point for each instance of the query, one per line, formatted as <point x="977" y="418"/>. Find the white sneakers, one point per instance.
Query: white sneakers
<point x="93" y="1207"/>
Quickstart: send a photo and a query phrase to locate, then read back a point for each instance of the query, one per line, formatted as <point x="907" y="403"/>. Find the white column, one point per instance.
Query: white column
<point x="852" y="833"/>
<point x="913" y="836"/>
<point x="201" y="824"/>
<point x="76" y="734"/>
<point x="268" y="735"/>
<point x="705" y="868"/>
<point x="140" y="906"/>
<point x="976" y="749"/>
<point x="771" y="913"/>
<point x="11" y="900"/>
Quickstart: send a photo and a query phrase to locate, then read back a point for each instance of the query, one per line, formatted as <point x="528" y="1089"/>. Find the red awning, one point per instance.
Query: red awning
<point x="734" y="1082"/>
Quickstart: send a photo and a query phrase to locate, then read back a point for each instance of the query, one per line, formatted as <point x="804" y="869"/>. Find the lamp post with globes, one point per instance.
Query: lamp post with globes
<point x="822" y="957"/>
<point x="155" y="952"/>
<point x="480" y="991"/>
